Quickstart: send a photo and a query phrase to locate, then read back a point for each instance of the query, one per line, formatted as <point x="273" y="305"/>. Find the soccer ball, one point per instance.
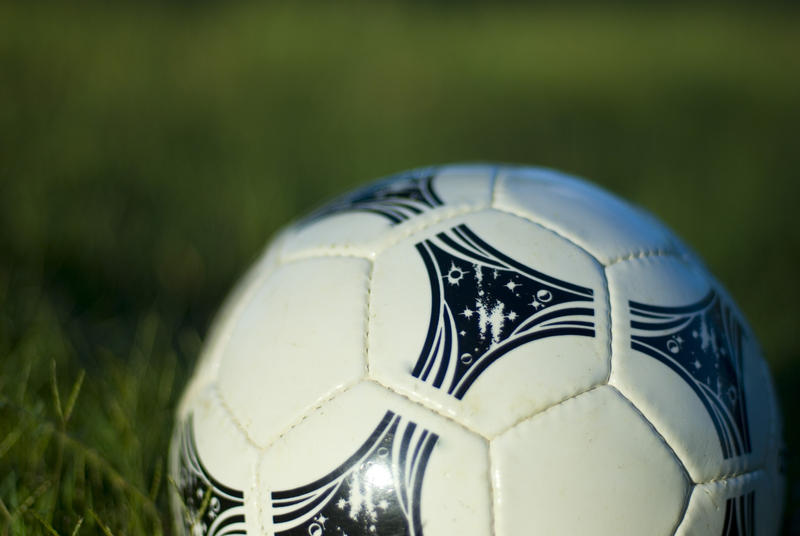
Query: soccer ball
<point x="478" y="350"/>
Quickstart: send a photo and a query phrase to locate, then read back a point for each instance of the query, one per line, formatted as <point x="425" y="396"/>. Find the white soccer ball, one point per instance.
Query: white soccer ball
<point x="478" y="350"/>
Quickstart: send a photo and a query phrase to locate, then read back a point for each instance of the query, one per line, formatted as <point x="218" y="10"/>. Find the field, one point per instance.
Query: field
<point x="148" y="152"/>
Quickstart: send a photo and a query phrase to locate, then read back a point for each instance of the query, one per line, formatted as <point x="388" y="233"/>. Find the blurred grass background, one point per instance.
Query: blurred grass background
<point x="148" y="151"/>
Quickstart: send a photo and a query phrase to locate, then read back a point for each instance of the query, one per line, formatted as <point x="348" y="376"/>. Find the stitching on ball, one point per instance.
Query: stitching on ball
<point x="368" y="319"/>
<point x="492" y="491"/>
<point x="431" y="408"/>
<point x="654" y="430"/>
<point x="644" y="254"/>
<point x="369" y="250"/>
<point x="547" y="408"/>
<point x="529" y="218"/>
<point x="687" y="476"/>
<point x="218" y="396"/>
<point x="609" y="345"/>
<point x="311" y="410"/>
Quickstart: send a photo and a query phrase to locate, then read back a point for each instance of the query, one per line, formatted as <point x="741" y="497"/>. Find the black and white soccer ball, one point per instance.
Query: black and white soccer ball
<point x="478" y="350"/>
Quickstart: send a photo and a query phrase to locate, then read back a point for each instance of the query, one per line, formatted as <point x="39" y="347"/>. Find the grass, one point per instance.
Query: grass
<point x="148" y="152"/>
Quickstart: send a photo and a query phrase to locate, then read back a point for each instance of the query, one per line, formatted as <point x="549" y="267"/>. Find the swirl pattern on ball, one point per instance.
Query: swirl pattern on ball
<point x="702" y="343"/>
<point x="375" y="491"/>
<point x="212" y="508"/>
<point x="397" y="198"/>
<point x="485" y="304"/>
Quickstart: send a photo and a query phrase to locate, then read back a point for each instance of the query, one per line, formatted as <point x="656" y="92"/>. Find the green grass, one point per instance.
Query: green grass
<point x="148" y="152"/>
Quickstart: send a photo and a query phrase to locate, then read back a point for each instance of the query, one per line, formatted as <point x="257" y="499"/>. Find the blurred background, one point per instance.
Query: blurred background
<point x="149" y="150"/>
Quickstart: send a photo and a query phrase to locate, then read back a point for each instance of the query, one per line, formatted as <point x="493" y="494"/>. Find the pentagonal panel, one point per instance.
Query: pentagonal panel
<point x="360" y="222"/>
<point x="745" y="505"/>
<point x="298" y="339"/>
<point x="600" y="222"/>
<point x="590" y="465"/>
<point x="371" y="462"/>
<point x="489" y="318"/>
<point x="682" y="354"/>
<point x="212" y="465"/>
<point x="208" y="362"/>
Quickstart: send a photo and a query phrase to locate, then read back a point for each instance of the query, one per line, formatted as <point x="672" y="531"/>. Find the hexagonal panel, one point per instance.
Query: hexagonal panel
<point x="207" y="366"/>
<point x="371" y="462"/>
<point x="489" y="318"/>
<point x="214" y="477"/>
<point x="359" y="223"/>
<point x="744" y="505"/>
<point x="603" y="224"/>
<point x="683" y="355"/>
<point x="590" y="465"/>
<point x="298" y="339"/>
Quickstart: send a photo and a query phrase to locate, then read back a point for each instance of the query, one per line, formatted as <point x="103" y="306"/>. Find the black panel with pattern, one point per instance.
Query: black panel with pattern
<point x="396" y="198"/>
<point x="702" y="343"/>
<point x="485" y="304"/>
<point x="211" y="508"/>
<point x="376" y="491"/>
<point x="740" y="516"/>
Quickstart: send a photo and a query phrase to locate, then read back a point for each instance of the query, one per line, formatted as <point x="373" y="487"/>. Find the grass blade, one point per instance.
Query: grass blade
<point x="77" y="527"/>
<point x="73" y="395"/>
<point x="105" y="529"/>
<point x="54" y="388"/>
<point x="44" y="523"/>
